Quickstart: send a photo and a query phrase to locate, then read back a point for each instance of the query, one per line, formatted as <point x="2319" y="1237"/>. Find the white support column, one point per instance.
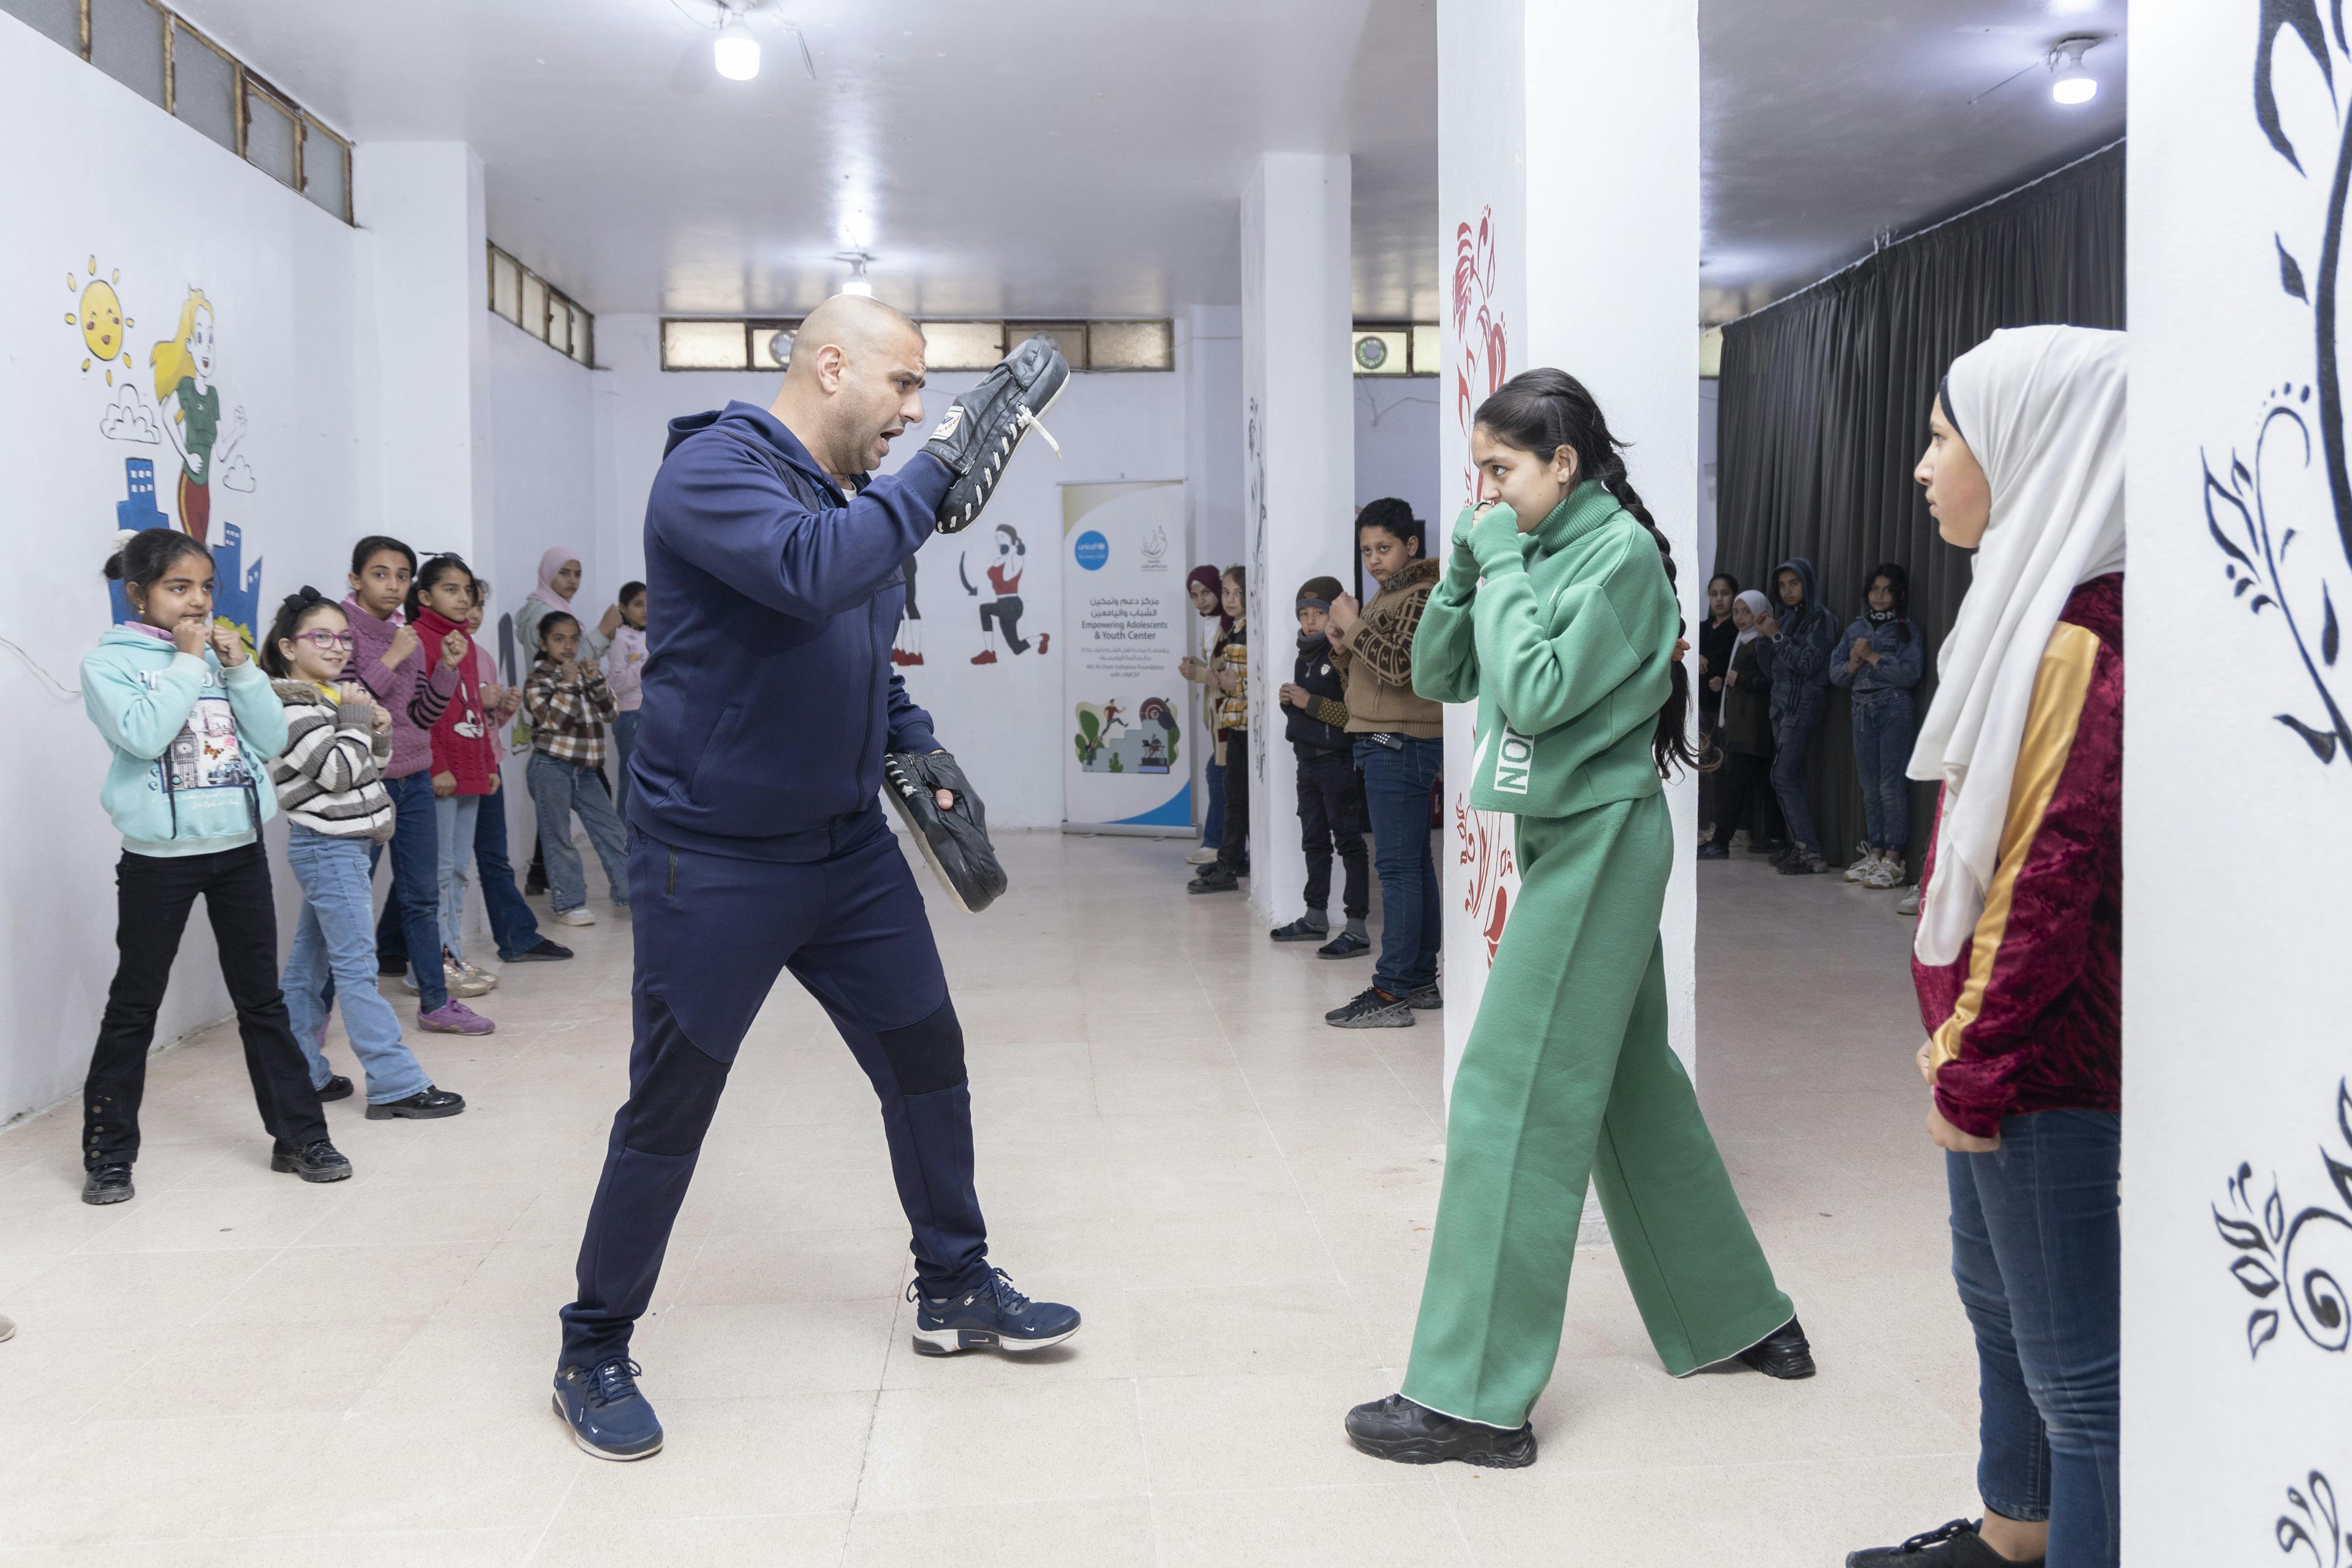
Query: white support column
<point x="421" y="203"/>
<point x="2237" y="776"/>
<point x="1568" y="202"/>
<point x="1298" y="417"/>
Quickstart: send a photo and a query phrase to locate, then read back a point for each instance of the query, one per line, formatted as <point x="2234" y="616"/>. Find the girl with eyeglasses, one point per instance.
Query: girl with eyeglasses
<point x="329" y="784"/>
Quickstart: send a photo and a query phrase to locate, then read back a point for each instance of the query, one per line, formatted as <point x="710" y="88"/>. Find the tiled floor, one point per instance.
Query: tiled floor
<point x="236" y="1368"/>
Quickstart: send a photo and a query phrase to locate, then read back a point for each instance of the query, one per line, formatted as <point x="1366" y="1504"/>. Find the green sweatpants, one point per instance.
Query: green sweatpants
<point x="1568" y="1077"/>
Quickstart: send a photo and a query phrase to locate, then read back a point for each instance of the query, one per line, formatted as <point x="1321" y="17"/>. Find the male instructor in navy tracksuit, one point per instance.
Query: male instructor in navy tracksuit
<point x="757" y="843"/>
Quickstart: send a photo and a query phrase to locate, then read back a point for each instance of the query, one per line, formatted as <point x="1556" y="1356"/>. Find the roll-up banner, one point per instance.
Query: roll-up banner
<point x="1128" y="767"/>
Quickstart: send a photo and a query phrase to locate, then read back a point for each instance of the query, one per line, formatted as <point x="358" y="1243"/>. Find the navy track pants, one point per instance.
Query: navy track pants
<point x="712" y="934"/>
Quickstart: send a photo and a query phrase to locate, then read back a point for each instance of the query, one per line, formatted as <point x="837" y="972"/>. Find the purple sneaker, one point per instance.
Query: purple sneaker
<point x="454" y="1017"/>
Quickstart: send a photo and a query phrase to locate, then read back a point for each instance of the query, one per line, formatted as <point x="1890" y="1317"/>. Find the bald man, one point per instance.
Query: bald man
<point x="757" y="843"/>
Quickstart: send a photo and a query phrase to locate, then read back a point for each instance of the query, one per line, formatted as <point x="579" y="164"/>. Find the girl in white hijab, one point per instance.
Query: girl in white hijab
<point x="2019" y="957"/>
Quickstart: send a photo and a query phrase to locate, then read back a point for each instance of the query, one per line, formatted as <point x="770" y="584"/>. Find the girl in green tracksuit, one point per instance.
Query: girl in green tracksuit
<point x="1569" y="647"/>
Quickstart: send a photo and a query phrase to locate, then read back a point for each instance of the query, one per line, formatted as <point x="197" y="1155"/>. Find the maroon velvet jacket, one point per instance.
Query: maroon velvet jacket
<point x="2031" y="1016"/>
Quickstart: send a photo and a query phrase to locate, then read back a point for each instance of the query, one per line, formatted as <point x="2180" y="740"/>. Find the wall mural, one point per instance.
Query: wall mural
<point x="2311" y="1524"/>
<point x="1483" y="838"/>
<point x="185" y="414"/>
<point x="2299" y="1261"/>
<point x="1000" y="613"/>
<point x="2267" y="493"/>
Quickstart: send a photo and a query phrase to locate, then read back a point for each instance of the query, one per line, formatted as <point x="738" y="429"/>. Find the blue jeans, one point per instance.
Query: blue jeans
<point x="1884" y="724"/>
<point x="559" y="789"/>
<point x="333" y="938"/>
<point x="625" y="746"/>
<point x="415" y="886"/>
<point x="1397" y="784"/>
<point x="2037" y="1254"/>
<point x="1212" y="823"/>
<point x="1792" y="737"/>
<point x="454" y="818"/>
<point x="512" y="925"/>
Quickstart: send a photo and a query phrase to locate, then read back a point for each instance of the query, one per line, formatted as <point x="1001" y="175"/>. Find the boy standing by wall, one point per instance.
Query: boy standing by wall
<point x="1330" y="794"/>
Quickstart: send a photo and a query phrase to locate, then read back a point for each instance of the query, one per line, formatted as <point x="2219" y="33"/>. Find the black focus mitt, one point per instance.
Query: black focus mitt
<point x="954" y="840"/>
<point x="985" y="427"/>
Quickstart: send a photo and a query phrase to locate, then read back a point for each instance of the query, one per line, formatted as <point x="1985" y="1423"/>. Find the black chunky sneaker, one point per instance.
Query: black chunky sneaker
<point x="318" y="1161"/>
<point x="1954" y="1545"/>
<point x="985" y="426"/>
<point x="107" y="1184"/>
<point x="1397" y="1428"/>
<point x="607" y="1415"/>
<point x="422" y="1105"/>
<point x="337" y="1087"/>
<point x="1299" y="930"/>
<point x="1372" y="1008"/>
<point x="1424" y="998"/>
<point x="1784" y="1353"/>
<point x="990" y="1314"/>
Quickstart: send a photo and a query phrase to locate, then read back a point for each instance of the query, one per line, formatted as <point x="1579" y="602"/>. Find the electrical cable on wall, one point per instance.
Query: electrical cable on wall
<point x="54" y="684"/>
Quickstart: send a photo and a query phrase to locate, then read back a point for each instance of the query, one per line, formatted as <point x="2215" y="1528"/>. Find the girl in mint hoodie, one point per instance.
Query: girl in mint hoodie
<point x="193" y="725"/>
<point x="1558" y="616"/>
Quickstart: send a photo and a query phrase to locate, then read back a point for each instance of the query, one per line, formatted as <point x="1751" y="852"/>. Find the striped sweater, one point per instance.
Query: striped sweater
<point x="330" y="777"/>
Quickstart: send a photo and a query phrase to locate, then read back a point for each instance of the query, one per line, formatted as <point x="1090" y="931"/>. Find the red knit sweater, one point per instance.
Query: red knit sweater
<point x="464" y="739"/>
<point x="2031" y="1016"/>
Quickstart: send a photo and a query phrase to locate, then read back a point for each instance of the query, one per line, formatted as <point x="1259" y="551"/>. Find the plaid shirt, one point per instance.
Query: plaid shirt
<point x="568" y="715"/>
<point x="1232" y="652"/>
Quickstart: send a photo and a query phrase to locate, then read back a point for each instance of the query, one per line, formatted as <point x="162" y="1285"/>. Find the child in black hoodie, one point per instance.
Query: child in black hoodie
<point x="1330" y="791"/>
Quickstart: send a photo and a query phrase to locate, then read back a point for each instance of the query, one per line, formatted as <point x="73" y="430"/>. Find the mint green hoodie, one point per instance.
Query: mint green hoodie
<point x="1568" y="649"/>
<point x="192" y="743"/>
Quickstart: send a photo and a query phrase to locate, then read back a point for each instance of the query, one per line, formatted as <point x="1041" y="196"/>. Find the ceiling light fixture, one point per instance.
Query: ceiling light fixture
<point x="2073" y="85"/>
<point x="735" y="51"/>
<point x="857" y="284"/>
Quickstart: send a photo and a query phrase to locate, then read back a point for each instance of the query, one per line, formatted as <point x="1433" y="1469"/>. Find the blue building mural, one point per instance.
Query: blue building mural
<point x="237" y="595"/>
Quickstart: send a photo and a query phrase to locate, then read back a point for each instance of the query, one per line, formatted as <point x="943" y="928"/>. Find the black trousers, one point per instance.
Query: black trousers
<point x="1004" y="614"/>
<point x="1331" y="819"/>
<point x="1232" y="852"/>
<point x="1746" y="786"/>
<point x="153" y="898"/>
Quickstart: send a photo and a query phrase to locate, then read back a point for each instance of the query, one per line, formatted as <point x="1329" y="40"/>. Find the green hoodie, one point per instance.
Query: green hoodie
<point x="192" y="743"/>
<point x="1568" y="649"/>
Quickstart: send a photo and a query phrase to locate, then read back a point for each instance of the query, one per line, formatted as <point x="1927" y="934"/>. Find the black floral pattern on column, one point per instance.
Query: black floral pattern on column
<point x="2291" y="1261"/>
<point x="2312" y="1525"/>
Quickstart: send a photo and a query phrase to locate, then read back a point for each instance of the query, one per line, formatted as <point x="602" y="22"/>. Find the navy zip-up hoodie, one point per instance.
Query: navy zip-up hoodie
<point x="769" y="692"/>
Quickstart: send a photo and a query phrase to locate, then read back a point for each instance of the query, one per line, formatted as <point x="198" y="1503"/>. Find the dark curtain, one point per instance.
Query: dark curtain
<point x="1824" y="402"/>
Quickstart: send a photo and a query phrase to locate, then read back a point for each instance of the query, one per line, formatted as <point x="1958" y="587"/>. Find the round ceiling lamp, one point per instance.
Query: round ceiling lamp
<point x="735" y="51"/>
<point x="857" y="283"/>
<point x="2072" y="85"/>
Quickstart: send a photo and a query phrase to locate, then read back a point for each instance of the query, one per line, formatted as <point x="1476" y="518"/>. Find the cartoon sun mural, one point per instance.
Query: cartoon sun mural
<point x="100" y="316"/>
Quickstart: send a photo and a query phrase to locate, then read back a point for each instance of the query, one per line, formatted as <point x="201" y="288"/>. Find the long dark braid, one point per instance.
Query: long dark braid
<point x="1540" y="411"/>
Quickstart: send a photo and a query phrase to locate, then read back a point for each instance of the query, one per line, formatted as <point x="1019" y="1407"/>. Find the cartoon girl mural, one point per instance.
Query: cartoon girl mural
<point x="1004" y="610"/>
<point x="185" y="391"/>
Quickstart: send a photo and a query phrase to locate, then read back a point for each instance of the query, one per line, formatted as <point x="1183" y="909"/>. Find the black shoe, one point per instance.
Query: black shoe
<point x="422" y="1105"/>
<point x="1783" y="1352"/>
<point x="607" y="1415"/>
<point x="1396" y="1428"/>
<point x="1954" y="1545"/>
<point x="535" y="882"/>
<point x="1783" y="852"/>
<point x="1424" y="998"/>
<point x="336" y="1087"/>
<point x="319" y="1160"/>
<point x="1713" y="852"/>
<point x="1215" y="879"/>
<point x="541" y="951"/>
<point x="1804" y="863"/>
<point x="108" y="1185"/>
<point x="1299" y="930"/>
<point x="1372" y="1008"/>
<point x="1347" y="944"/>
<point x="991" y="1315"/>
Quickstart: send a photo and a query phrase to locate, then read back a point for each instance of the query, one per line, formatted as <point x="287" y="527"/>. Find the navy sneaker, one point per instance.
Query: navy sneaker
<point x="608" y="1416"/>
<point x="991" y="1313"/>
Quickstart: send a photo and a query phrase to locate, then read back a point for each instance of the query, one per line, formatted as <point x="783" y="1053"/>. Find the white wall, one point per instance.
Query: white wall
<point x="1397" y="420"/>
<point x="296" y="355"/>
<point x="1004" y="721"/>
<point x="2237" y="1136"/>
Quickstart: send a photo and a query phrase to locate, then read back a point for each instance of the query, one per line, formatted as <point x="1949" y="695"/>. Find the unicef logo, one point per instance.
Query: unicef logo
<point x="1093" y="551"/>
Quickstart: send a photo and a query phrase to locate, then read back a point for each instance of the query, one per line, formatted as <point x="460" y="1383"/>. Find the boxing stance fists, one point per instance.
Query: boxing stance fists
<point x="985" y="426"/>
<point x="954" y="838"/>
